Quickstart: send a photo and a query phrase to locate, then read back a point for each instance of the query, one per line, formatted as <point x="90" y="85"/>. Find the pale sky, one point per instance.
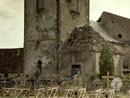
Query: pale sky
<point x="12" y="18"/>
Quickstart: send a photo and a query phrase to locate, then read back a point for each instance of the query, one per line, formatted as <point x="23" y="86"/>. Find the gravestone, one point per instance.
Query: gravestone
<point x="97" y="84"/>
<point x="77" y="79"/>
<point x="116" y="84"/>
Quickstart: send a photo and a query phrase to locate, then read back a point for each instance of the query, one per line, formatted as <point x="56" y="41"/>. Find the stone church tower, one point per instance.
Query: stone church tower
<point x="48" y="24"/>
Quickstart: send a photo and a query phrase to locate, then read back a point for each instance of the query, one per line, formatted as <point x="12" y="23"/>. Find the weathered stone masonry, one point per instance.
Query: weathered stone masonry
<point x="48" y="23"/>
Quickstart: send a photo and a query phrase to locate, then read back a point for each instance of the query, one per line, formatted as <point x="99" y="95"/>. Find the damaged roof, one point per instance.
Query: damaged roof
<point x="85" y="39"/>
<point x="107" y="30"/>
<point x="98" y="28"/>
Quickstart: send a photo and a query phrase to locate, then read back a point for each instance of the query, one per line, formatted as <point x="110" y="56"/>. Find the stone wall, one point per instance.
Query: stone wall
<point x="11" y="60"/>
<point x="40" y="35"/>
<point x="74" y="13"/>
<point x="118" y="63"/>
<point x="47" y="23"/>
<point x="89" y="62"/>
<point x="85" y="59"/>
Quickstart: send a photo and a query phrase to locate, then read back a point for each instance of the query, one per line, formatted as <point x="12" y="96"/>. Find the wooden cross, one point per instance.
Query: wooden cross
<point x="108" y="77"/>
<point x="51" y="78"/>
<point x="78" y="80"/>
<point x="77" y="77"/>
<point x="21" y="81"/>
<point x="72" y="91"/>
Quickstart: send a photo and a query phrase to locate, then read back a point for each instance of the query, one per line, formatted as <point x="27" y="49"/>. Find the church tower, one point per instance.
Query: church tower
<point x="48" y="23"/>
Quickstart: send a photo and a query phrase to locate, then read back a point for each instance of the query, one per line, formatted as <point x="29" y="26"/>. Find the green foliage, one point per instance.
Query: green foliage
<point x="92" y="77"/>
<point x="106" y="62"/>
<point x="90" y="86"/>
<point x="126" y="84"/>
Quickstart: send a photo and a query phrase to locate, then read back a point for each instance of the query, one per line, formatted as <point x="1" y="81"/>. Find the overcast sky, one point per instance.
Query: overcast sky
<point x="12" y="18"/>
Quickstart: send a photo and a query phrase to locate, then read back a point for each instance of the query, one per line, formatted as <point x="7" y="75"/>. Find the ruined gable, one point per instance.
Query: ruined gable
<point x="82" y="48"/>
<point x="86" y="39"/>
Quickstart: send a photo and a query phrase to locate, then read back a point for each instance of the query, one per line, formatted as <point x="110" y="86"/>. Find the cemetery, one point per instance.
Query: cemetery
<point x="66" y="55"/>
<point x="107" y="84"/>
<point x="107" y="87"/>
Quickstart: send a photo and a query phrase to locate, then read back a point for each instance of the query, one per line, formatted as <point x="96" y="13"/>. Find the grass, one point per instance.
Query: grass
<point x="122" y="96"/>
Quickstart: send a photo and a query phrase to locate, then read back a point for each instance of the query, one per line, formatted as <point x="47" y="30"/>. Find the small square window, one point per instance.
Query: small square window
<point x="75" y="69"/>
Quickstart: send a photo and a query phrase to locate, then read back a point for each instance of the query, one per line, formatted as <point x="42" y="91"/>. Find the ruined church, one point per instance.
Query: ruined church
<point x="60" y="38"/>
<point x="48" y="24"/>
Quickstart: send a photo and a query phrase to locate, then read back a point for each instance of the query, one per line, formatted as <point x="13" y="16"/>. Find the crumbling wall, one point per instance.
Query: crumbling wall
<point x="47" y="23"/>
<point x="40" y="34"/>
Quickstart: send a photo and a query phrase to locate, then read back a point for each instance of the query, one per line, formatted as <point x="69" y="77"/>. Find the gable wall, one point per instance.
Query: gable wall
<point x="115" y="26"/>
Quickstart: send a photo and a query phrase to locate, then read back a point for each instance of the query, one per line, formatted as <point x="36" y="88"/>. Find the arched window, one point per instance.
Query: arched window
<point x="39" y="65"/>
<point x="119" y="35"/>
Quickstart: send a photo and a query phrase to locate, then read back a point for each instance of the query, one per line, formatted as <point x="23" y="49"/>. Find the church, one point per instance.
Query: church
<point x="60" y="38"/>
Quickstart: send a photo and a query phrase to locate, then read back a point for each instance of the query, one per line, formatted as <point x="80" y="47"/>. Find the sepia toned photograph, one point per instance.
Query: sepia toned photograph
<point x="64" y="48"/>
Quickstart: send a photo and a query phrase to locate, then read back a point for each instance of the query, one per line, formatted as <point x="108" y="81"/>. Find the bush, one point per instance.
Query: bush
<point x="90" y="82"/>
<point x="126" y="84"/>
<point x="106" y="62"/>
<point x="92" y="77"/>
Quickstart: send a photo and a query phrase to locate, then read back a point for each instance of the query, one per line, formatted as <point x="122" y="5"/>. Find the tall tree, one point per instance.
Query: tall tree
<point x="106" y="61"/>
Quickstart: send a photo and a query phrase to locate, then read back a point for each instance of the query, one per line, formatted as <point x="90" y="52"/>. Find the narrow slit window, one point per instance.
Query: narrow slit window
<point x="75" y="6"/>
<point x="39" y="66"/>
<point x="40" y="4"/>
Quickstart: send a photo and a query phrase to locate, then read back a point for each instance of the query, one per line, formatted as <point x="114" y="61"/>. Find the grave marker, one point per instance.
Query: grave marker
<point x="116" y="84"/>
<point x="108" y="77"/>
